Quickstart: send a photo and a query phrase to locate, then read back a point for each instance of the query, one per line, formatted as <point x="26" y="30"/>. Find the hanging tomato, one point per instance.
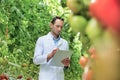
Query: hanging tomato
<point x="107" y="12"/>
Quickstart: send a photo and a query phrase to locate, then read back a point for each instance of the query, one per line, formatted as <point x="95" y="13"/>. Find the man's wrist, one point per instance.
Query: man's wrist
<point x="49" y="57"/>
<point x="66" y="67"/>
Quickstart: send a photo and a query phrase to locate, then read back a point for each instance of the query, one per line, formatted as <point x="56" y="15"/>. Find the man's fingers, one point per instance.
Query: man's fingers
<point x="66" y="61"/>
<point x="55" y="49"/>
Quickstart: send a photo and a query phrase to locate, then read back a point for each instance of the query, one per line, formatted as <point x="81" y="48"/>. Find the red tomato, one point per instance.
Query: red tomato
<point x="93" y="56"/>
<point x="19" y="77"/>
<point x="93" y="53"/>
<point x="29" y="79"/>
<point x="88" y="75"/>
<point x="107" y="12"/>
<point x="92" y="50"/>
<point x="3" y="77"/>
<point x="83" y="61"/>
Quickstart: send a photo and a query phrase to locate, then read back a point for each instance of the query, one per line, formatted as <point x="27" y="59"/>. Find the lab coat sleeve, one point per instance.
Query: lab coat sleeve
<point x="39" y="57"/>
<point x="67" y="46"/>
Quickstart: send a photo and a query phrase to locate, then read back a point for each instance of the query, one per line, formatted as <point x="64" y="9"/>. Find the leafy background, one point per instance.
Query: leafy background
<point x="21" y="23"/>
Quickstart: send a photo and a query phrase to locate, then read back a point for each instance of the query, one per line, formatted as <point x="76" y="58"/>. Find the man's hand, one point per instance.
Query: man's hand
<point x="66" y="62"/>
<point x="52" y="54"/>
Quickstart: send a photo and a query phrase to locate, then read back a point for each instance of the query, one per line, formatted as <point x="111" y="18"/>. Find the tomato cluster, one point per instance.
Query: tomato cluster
<point x="85" y="63"/>
<point x="77" y="21"/>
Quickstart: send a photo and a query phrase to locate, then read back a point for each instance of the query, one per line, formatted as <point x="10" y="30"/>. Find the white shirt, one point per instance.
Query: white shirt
<point x="44" y="46"/>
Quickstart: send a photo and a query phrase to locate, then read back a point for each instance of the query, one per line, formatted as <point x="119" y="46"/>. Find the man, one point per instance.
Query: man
<point x="46" y="47"/>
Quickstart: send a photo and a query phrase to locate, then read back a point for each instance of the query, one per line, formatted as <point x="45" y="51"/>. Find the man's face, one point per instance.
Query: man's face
<point x="57" y="27"/>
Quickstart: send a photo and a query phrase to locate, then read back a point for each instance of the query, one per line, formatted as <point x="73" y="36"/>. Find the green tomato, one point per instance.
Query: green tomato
<point x="93" y="29"/>
<point x="74" y="5"/>
<point x="85" y="42"/>
<point x="78" y="23"/>
<point x="1" y="61"/>
<point x="86" y="2"/>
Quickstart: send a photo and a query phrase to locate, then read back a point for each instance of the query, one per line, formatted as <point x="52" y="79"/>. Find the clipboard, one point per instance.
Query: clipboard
<point x="59" y="56"/>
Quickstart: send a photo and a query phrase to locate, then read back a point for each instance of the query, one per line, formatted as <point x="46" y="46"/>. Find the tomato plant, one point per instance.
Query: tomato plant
<point x="101" y="29"/>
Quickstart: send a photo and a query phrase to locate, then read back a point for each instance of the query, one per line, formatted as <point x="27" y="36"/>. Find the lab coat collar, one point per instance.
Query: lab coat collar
<point x="49" y="36"/>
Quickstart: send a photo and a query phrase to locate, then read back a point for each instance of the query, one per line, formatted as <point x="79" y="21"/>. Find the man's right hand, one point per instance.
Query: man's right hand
<point x="52" y="54"/>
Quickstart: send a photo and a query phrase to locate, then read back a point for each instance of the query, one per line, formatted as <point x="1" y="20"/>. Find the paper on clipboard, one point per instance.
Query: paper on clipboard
<point x="59" y="56"/>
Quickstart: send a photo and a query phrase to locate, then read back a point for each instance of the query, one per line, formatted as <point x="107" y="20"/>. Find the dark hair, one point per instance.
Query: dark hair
<point x="56" y="17"/>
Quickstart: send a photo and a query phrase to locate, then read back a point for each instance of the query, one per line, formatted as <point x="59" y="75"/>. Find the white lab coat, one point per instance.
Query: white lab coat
<point x="44" y="46"/>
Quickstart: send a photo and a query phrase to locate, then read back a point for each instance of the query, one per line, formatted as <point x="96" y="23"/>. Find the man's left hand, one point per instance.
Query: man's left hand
<point x="66" y="61"/>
